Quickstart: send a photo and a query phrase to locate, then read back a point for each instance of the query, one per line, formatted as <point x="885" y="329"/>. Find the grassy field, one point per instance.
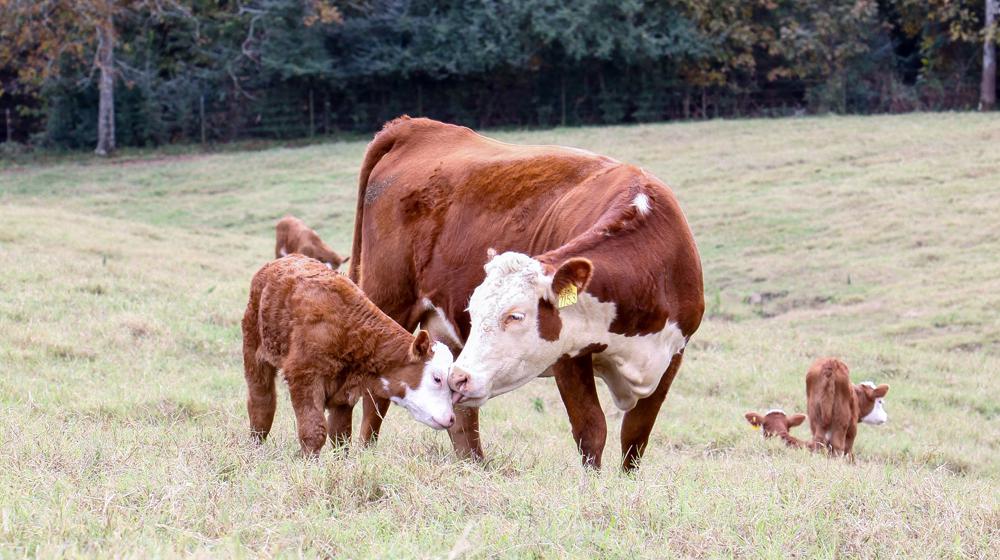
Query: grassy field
<point x="123" y="430"/>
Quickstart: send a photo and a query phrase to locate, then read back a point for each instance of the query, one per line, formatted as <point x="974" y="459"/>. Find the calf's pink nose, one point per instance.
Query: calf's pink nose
<point x="447" y="421"/>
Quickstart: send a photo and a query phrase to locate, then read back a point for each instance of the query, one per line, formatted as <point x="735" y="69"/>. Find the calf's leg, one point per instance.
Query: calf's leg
<point x="373" y="411"/>
<point x="262" y="399"/>
<point x="638" y="422"/>
<point x="307" y="400"/>
<point x="838" y="441"/>
<point x="339" y="423"/>
<point x="575" y="380"/>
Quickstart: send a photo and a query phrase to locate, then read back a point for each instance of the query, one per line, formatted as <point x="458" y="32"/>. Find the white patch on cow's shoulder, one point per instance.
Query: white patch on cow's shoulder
<point x="283" y="252"/>
<point x="641" y="202"/>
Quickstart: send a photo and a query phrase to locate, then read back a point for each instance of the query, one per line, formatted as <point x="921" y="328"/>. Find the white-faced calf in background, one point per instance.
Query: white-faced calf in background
<point x="775" y="423"/>
<point x="836" y="406"/>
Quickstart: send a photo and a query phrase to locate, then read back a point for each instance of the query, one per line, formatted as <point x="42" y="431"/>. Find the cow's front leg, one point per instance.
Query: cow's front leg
<point x="638" y="422"/>
<point x="575" y="379"/>
<point x="464" y="433"/>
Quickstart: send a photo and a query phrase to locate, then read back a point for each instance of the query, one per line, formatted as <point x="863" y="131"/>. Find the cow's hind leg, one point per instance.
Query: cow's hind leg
<point x="577" y="387"/>
<point x="638" y="422"/>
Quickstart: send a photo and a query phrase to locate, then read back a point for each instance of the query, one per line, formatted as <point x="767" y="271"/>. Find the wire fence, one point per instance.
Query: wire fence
<point x="311" y="113"/>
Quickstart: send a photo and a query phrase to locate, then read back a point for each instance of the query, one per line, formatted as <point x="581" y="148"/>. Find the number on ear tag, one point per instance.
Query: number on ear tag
<point x="567" y="296"/>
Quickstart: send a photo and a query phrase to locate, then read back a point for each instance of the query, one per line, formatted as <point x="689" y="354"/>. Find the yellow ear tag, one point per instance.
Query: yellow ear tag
<point x="567" y="296"/>
<point x="755" y="426"/>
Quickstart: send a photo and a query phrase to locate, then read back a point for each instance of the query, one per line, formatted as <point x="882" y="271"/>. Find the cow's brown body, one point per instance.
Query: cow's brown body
<point x="433" y="198"/>
<point x="331" y="344"/>
<point x="835" y="405"/>
<point x="294" y="236"/>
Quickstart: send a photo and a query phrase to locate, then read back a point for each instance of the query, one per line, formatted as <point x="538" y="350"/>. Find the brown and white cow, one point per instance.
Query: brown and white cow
<point x="595" y="271"/>
<point x="775" y="423"/>
<point x="836" y="406"/>
<point x="333" y="346"/>
<point x="294" y="236"/>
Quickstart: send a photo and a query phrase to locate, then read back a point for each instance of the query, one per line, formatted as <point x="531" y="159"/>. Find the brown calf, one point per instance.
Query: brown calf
<point x="294" y="236"/>
<point x="776" y="423"/>
<point x="836" y="406"/>
<point x="333" y="345"/>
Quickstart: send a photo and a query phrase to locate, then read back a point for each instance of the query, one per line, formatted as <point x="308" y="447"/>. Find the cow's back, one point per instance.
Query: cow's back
<point x="434" y="197"/>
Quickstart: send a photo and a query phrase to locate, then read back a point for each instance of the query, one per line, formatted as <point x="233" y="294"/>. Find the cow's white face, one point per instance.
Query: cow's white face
<point x="514" y="334"/>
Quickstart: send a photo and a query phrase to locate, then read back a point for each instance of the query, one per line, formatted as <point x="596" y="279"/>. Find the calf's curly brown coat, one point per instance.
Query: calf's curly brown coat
<point x="333" y="347"/>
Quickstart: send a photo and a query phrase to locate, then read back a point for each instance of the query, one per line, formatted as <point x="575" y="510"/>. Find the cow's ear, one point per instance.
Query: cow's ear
<point x="420" y="348"/>
<point x="796" y="419"/>
<point x="881" y="391"/>
<point x="574" y="273"/>
<point x="754" y="419"/>
<point x="490" y="253"/>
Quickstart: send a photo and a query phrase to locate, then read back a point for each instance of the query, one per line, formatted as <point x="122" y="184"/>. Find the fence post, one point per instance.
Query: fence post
<point x="201" y="115"/>
<point x="10" y="129"/>
<point x="312" y="120"/>
<point x="562" y="99"/>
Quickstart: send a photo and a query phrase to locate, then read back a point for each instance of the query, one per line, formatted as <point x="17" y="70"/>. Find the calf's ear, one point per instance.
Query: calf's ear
<point x="796" y="419"/>
<point x="754" y="419"/>
<point x="880" y="391"/>
<point x="574" y="272"/>
<point x="420" y="348"/>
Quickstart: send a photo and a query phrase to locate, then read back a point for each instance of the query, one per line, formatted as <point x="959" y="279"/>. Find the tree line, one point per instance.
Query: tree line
<point x="84" y="73"/>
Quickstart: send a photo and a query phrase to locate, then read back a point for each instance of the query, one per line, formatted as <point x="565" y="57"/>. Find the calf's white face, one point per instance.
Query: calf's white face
<point x="430" y="401"/>
<point x="878" y="415"/>
<point x="509" y="312"/>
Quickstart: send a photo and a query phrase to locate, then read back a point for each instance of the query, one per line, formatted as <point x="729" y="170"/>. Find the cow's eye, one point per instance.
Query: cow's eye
<point x="437" y="379"/>
<point x="512" y="318"/>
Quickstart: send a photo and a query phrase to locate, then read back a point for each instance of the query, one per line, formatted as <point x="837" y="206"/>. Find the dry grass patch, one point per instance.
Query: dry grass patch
<point x="122" y="421"/>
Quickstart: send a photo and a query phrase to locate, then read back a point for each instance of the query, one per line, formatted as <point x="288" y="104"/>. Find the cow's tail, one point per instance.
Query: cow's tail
<point x="379" y="146"/>
<point x="829" y="389"/>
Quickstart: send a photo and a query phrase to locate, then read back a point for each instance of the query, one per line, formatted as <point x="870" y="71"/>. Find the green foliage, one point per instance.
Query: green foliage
<point x="288" y="68"/>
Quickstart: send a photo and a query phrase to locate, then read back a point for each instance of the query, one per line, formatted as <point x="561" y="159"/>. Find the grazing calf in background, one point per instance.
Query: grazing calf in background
<point x="776" y="423"/>
<point x="294" y="236"/>
<point x="333" y="345"/>
<point x="836" y="406"/>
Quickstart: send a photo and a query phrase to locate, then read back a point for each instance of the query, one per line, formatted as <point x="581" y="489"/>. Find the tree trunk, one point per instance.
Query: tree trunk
<point x="106" y="105"/>
<point x="988" y="87"/>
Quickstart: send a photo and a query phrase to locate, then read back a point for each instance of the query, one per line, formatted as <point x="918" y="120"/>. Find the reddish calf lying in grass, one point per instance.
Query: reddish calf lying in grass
<point x="836" y="406"/>
<point x="776" y="423"/>
<point x="294" y="236"/>
<point x="333" y="346"/>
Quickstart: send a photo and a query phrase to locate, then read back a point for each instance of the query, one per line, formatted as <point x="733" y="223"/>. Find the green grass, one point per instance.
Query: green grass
<point x="122" y="423"/>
